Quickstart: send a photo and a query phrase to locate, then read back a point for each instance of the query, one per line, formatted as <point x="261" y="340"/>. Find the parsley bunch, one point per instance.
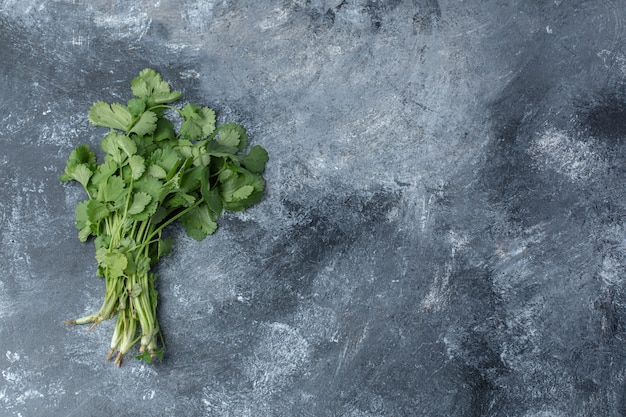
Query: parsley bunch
<point x="152" y="176"/>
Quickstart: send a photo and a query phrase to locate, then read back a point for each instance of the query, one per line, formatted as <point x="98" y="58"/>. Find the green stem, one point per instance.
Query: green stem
<point x="117" y="338"/>
<point x="115" y="234"/>
<point x="114" y="290"/>
<point x="144" y="312"/>
<point x="174" y="218"/>
<point x="164" y="106"/>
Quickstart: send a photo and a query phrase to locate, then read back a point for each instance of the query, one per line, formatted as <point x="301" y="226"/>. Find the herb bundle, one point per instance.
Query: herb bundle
<point x="152" y="176"/>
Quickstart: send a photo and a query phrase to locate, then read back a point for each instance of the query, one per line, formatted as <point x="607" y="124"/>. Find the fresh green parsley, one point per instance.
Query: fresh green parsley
<point x="151" y="177"/>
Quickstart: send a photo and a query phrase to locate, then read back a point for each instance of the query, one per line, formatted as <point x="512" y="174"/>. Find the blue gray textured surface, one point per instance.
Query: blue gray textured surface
<point x="443" y="231"/>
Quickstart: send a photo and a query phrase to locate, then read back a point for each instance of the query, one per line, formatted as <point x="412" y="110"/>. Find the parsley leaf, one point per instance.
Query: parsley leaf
<point x="140" y="201"/>
<point x="146" y="124"/>
<point x="113" y="262"/>
<point x="109" y="144"/>
<point x="136" y="106"/>
<point x="82" y="174"/>
<point x="104" y="171"/>
<point x="81" y="155"/>
<point x="164" y="130"/>
<point x="115" y="116"/>
<point x="137" y="166"/>
<point x="199" y="122"/>
<point x="149" y="85"/>
<point x="229" y="137"/>
<point x="113" y="190"/>
<point x="156" y="171"/>
<point x="199" y="222"/>
<point x="255" y="160"/>
<point x="96" y="211"/>
<point x="230" y="130"/>
<point x="243" y="192"/>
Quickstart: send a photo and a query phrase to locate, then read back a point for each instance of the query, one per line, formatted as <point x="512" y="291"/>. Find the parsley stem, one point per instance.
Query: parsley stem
<point x="175" y="217"/>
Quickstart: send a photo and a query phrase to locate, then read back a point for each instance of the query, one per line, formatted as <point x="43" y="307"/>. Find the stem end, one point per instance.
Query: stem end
<point x="118" y="359"/>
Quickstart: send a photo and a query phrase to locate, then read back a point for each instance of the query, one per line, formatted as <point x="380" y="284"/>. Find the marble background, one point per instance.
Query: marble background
<point x="443" y="230"/>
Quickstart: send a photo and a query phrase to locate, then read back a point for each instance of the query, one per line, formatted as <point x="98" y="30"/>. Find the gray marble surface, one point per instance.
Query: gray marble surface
<point x="443" y="230"/>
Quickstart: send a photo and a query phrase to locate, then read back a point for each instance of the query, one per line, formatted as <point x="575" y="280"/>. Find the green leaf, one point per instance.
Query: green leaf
<point x="145" y="144"/>
<point x="242" y="135"/>
<point x="137" y="166"/>
<point x="191" y="179"/>
<point x="142" y="265"/>
<point x="136" y="106"/>
<point x="147" y="212"/>
<point x="114" y="116"/>
<point x="150" y="85"/>
<point x="163" y="98"/>
<point x="164" y="247"/>
<point x="104" y="171"/>
<point x="180" y="199"/>
<point x="196" y="153"/>
<point x="214" y="201"/>
<point x="88" y="216"/>
<point x="199" y="222"/>
<point x="230" y="191"/>
<point x="216" y="149"/>
<point x="228" y="185"/>
<point x="227" y="173"/>
<point x="109" y="144"/>
<point x="228" y="137"/>
<point x="126" y="144"/>
<point x="243" y="192"/>
<point x="135" y="291"/>
<point x="200" y="156"/>
<point x="164" y="130"/>
<point x="182" y="168"/>
<point x="81" y="214"/>
<point x="151" y="186"/>
<point x="185" y="148"/>
<point x="81" y="155"/>
<point x="146" y="124"/>
<point x="190" y="130"/>
<point x="131" y="268"/>
<point x="211" y="196"/>
<point x="113" y="190"/>
<point x="140" y="201"/>
<point x="255" y="160"/>
<point x="96" y="211"/>
<point x="147" y="83"/>
<point x="168" y="159"/>
<point x="82" y="174"/>
<point x="199" y="122"/>
<point x="102" y="241"/>
<point x="156" y="171"/>
<point x="114" y="262"/>
<point x="159" y="215"/>
<point x="84" y="233"/>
